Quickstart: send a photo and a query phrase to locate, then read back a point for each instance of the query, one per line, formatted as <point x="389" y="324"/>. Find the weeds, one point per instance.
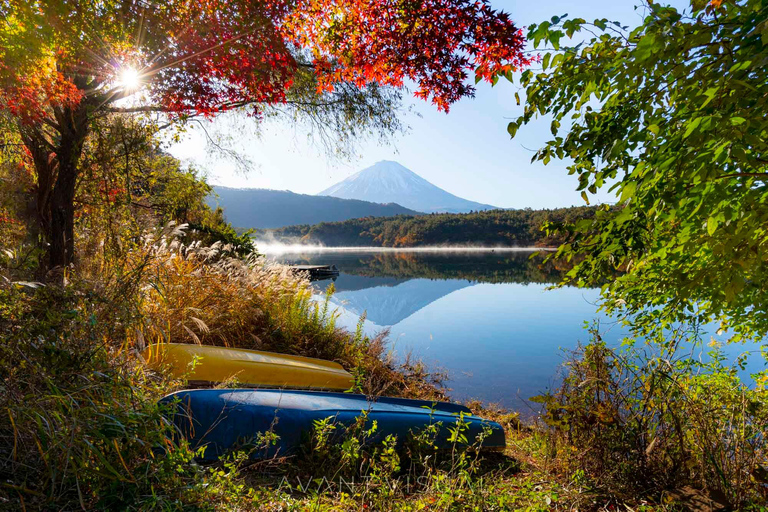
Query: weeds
<point x="650" y="425"/>
<point x="206" y="295"/>
<point x="80" y="421"/>
<point x="81" y="426"/>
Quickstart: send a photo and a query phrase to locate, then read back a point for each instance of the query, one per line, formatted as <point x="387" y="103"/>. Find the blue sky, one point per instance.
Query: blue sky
<point x="467" y="151"/>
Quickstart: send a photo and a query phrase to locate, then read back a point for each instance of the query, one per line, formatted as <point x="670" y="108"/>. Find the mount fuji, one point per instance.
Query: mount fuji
<point x="390" y="182"/>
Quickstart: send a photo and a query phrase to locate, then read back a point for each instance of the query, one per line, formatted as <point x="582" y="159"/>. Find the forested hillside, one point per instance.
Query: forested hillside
<point x="494" y="227"/>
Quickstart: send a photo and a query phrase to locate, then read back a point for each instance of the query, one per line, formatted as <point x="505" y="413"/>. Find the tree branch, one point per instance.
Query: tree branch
<point x="761" y="175"/>
<point x="135" y="110"/>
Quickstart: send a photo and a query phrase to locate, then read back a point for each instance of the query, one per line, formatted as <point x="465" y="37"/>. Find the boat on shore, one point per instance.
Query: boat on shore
<point x="203" y="365"/>
<point x="225" y="420"/>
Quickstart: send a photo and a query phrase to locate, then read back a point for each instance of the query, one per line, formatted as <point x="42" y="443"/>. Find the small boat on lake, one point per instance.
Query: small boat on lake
<point x="224" y="420"/>
<point x="317" y="272"/>
<point x="247" y="367"/>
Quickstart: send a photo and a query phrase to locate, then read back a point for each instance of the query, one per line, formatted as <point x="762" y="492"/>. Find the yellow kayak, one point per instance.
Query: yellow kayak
<point x="248" y="367"/>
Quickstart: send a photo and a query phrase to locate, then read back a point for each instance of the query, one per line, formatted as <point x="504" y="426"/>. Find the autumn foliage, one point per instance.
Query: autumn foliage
<point x="64" y="63"/>
<point x="206" y="56"/>
<point x="434" y="43"/>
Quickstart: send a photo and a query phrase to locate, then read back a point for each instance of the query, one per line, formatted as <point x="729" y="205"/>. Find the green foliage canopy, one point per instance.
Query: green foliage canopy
<point x="672" y="117"/>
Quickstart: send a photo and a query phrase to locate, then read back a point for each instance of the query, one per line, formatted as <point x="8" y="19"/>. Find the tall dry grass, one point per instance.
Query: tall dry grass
<point x="207" y="295"/>
<point x="79" y="422"/>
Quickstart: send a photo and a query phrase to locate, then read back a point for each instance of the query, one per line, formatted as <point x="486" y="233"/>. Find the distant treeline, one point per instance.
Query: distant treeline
<point x="516" y="228"/>
<point x="484" y="267"/>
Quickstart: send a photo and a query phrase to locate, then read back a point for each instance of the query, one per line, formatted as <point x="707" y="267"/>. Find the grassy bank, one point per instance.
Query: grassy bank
<point x="82" y="429"/>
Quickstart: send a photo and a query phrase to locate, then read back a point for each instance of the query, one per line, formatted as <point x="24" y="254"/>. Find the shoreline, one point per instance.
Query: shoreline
<point x="266" y="248"/>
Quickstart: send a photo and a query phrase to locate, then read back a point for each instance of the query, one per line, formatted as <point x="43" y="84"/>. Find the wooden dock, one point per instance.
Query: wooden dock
<point x="317" y="272"/>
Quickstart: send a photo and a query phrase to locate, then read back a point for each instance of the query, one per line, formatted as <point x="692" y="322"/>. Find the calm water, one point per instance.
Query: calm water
<point x="485" y="317"/>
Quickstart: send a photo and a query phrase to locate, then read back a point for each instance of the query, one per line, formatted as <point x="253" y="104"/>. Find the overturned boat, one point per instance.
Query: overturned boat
<point x="225" y="420"/>
<point x="203" y="365"/>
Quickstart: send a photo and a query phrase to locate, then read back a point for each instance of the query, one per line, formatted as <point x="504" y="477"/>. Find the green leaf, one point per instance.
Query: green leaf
<point x="628" y="190"/>
<point x="711" y="225"/>
<point x="512" y="128"/>
<point x="554" y="126"/>
<point x="691" y="127"/>
<point x="545" y="61"/>
<point x="554" y="38"/>
<point x="736" y="121"/>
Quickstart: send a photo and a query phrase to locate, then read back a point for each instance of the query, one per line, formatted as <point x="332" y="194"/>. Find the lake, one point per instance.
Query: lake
<point x="487" y="317"/>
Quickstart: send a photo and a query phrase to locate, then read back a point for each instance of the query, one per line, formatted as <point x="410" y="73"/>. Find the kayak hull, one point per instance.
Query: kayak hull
<point x="247" y="367"/>
<point x="226" y="420"/>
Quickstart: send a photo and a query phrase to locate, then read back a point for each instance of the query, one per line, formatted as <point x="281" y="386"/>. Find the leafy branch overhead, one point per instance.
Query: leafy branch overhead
<point x="212" y="55"/>
<point x="671" y="117"/>
<point x="64" y="64"/>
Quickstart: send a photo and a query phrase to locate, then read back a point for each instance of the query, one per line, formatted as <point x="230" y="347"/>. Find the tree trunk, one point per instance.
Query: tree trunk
<point x="61" y="236"/>
<point x="57" y="172"/>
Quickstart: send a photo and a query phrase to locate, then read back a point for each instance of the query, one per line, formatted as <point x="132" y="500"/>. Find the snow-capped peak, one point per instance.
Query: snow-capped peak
<point x="391" y="182"/>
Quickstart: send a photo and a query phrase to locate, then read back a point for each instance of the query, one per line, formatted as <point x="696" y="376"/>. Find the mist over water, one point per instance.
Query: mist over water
<point x="270" y="247"/>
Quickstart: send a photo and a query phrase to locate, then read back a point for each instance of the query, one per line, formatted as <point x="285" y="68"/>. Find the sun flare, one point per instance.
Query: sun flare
<point x="129" y="79"/>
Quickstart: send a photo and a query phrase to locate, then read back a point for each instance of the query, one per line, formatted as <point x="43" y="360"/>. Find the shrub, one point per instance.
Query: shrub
<point x="81" y="422"/>
<point x="644" y="424"/>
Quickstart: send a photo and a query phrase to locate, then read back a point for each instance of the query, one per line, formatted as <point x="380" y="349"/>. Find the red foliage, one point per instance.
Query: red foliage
<point x="28" y="97"/>
<point x="208" y="56"/>
<point x="434" y="43"/>
<point x="229" y="53"/>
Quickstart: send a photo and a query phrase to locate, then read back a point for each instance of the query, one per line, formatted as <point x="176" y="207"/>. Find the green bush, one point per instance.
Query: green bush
<point x="645" y="423"/>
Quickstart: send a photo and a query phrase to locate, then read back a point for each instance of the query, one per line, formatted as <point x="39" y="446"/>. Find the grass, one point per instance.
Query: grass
<point x="81" y="428"/>
<point x="662" y="425"/>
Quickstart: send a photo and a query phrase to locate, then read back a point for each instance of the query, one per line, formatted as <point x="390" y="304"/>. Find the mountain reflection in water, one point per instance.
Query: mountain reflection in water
<point x="390" y="286"/>
<point x="390" y="305"/>
<point x="483" y="316"/>
<point x="489" y="318"/>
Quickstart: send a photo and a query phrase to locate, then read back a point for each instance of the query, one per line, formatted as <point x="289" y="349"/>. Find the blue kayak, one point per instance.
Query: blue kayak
<point x="224" y="420"/>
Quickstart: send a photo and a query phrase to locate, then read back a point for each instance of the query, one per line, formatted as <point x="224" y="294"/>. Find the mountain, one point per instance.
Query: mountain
<point x="390" y="182"/>
<point x="389" y="305"/>
<point x="263" y="208"/>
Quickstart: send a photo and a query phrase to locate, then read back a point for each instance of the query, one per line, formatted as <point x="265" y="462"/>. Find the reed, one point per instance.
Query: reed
<point x="81" y="427"/>
<point x="206" y="295"/>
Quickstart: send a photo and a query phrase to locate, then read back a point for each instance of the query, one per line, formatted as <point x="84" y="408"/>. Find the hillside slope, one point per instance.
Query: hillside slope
<point x="503" y="228"/>
<point x="263" y="208"/>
